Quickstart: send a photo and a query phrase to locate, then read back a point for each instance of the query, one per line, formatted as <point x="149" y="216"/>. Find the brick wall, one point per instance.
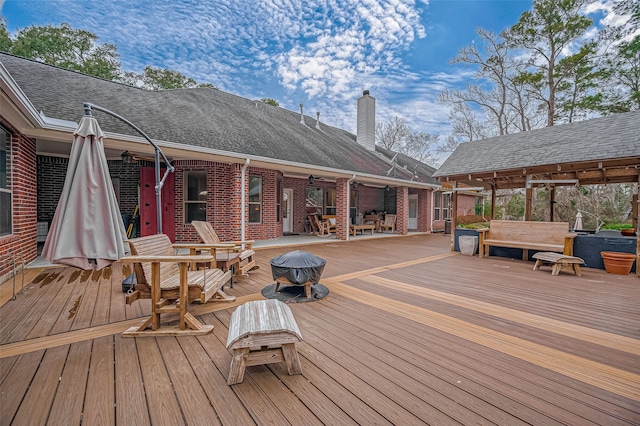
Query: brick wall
<point x="224" y="201"/>
<point x="52" y="172"/>
<point x="402" y="225"/>
<point x="370" y="199"/>
<point x="21" y="244"/>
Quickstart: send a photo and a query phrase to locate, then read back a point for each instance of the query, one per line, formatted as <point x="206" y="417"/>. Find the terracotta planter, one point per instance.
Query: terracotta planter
<point x="617" y="263"/>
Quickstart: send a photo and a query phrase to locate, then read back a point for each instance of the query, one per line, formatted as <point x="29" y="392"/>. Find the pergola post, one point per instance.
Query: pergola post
<point x="454" y="213"/>
<point x="493" y="201"/>
<point x="552" y="202"/>
<point x="527" y="202"/>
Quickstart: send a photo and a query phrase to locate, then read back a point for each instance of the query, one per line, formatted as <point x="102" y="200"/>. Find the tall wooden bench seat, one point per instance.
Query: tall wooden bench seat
<point x="240" y="256"/>
<point x="262" y="332"/>
<point x="165" y="278"/>
<point x="527" y="235"/>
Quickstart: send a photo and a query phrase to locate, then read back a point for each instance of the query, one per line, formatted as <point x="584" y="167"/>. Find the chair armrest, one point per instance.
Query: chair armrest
<point x="155" y="258"/>
<point x="571" y="235"/>
<point x="202" y="246"/>
<point x="483" y="229"/>
<point x="248" y="244"/>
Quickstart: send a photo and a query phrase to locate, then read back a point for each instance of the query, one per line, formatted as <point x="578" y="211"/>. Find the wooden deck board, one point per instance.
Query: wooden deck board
<point x="410" y="334"/>
<point x="131" y="404"/>
<point x="99" y="399"/>
<point x="70" y="396"/>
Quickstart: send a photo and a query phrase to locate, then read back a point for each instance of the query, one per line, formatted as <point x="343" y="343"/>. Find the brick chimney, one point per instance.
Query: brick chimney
<point x="366" y="132"/>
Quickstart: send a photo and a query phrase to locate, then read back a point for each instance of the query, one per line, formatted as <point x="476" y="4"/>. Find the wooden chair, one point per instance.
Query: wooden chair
<point x="237" y="255"/>
<point x="320" y="227"/>
<point x="389" y="223"/>
<point x="164" y="277"/>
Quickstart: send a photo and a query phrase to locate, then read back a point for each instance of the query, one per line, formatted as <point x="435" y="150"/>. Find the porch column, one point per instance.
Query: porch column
<point x="454" y="215"/>
<point x="235" y="202"/>
<point x="493" y="201"/>
<point x="402" y="210"/>
<point x="552" y="202"/>
<point x="424" y="209"/>
<point x="342" y="209"/>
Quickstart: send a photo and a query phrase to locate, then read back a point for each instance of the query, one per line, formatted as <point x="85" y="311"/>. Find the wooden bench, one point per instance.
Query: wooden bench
<point x="367" y="226"/>
<point x="527" y="235"/>
<point x="557" y="261"/>
<point x="262" y="332"/>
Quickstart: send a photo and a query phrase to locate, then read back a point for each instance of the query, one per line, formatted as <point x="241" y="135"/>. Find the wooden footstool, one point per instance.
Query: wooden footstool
<point x="558" y="260"/>
<point x="262" y="332"/>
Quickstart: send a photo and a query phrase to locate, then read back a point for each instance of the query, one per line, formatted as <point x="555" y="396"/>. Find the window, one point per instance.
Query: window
<point x="255" y="199"/>
<point x="279" y="201"/>
<point x="314" y="200"/>
<point x="437" y="205"/>
<point x="6" y="217"/>
<point x="195" y="196"/>
<point x="446" y="206"/>
<point x="330" y="201"/>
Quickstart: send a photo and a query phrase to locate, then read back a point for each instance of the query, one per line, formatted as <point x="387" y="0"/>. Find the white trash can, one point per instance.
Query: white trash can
<point x="468" y="244"/>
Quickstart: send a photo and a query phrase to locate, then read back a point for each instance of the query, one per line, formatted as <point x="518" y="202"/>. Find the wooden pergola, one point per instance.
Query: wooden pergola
<point x="605" y="150"/>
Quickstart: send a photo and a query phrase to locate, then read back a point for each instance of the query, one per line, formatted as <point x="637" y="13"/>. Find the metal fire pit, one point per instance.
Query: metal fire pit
<point x="297" y="275"/>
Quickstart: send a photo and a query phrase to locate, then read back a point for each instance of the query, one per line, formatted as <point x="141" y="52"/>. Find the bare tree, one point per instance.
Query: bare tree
<point x="392" y="134"/>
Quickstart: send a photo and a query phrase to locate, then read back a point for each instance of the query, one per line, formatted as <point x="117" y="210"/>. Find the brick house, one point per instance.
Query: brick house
<point x="251" y="169"/>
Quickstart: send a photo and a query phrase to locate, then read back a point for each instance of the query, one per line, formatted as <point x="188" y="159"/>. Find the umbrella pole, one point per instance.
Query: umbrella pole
<point x="88" y="107"/>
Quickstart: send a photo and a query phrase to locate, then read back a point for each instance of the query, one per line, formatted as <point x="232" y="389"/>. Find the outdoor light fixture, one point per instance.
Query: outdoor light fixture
<point x="354" y="185"/>
<point x="126" y="158"/>
<point x="387" y="188"/>
<point x="311" y="179"/>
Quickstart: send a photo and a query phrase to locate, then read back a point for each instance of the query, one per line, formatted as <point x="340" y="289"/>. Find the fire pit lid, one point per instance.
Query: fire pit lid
<point x="298" y="267"/>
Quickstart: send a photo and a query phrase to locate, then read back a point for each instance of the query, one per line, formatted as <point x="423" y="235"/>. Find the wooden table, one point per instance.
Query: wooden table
<point x="558" y="260"/>
<point x="355" y="228"/>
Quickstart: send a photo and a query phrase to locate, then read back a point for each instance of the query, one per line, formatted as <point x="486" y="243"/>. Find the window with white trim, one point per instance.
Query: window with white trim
<point x="255" y="199"/>
<point x="6" y="215"/>
<point x="195" y="196"/>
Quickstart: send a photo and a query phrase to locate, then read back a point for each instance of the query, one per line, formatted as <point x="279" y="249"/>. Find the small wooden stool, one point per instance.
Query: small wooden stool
<point x="558" y="260"/>
<point x="262" y="332"/>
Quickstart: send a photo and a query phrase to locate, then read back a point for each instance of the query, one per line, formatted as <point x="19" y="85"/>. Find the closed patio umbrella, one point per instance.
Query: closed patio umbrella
<point x="578" y="224"/>
<point x="87" y="231"/>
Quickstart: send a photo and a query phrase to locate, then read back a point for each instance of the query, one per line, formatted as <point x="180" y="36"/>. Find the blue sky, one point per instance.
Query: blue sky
<point x="321" y="53"/>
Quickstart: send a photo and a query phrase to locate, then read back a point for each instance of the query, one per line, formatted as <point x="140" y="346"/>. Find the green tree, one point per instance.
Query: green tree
<point x="162" y="78"/>
<point x="5" y="40"/>
<point x="68" y="48"/>
<point x="270" y="101"/>
<point x="545" y="33"/>
<point x="622" y="66"/>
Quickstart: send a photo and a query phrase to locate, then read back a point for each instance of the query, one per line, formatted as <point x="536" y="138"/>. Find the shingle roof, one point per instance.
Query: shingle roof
<point x="422" y="172"/>
<point x="599" y="139"/>
<point x="203" y="117"/>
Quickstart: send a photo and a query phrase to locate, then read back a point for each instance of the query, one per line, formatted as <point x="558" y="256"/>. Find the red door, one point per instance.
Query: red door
<point x="148" y="212"/>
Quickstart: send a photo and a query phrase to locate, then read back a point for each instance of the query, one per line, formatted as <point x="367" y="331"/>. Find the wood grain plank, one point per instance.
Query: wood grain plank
<point x="15" y="383"/>
<point x="131" y="404"/>
<point x="99" y="400"/>
<point x="69" y="399"/>
<point x="163" y="405"/>
<point x="195" y="406"/>
<point x="36" y="404"/>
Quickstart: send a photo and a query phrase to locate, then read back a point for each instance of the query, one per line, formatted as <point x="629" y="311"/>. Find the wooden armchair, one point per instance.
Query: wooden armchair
<point x="389" y="223"/>
<point x="320" y="227"/>
<point x="165" y="278"/>
<point x="240" y="255"/>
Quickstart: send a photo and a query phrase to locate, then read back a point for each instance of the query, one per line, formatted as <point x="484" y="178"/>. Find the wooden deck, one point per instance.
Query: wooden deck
<point x="409" y="334"/>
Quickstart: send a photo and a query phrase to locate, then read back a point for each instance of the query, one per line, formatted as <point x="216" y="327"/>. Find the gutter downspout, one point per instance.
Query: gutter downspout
<point x="243" y="196"/>
<point x="349" y="205"/>
<point x="433" y="198"/>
